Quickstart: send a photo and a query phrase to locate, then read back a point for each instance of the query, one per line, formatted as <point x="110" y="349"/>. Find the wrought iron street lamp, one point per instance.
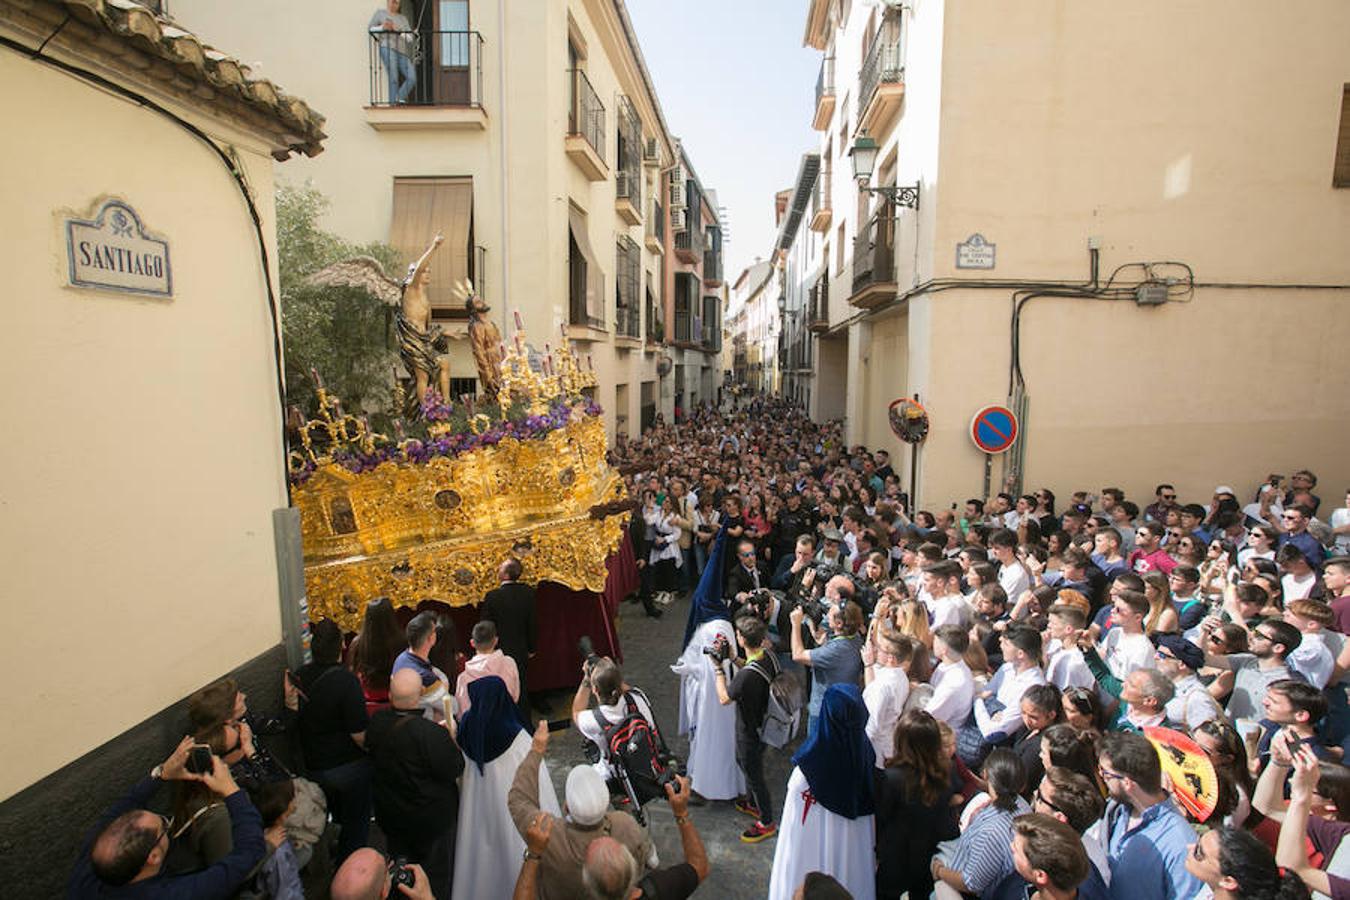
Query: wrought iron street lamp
<point x="863" y="156"/>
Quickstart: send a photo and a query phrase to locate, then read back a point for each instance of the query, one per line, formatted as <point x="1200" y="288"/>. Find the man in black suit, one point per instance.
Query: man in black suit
<point x="745" y="576"/>
<point x="511" y="607"/>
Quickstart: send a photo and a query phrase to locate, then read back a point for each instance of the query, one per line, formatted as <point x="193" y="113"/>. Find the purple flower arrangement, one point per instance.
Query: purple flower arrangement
<point x="417" y="451"/>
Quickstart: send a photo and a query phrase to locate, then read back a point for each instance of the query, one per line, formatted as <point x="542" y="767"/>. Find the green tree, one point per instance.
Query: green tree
<point x="343" y="333"/>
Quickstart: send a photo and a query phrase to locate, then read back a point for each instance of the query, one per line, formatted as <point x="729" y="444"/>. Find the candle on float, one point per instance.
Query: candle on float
<point x="314" y="373"/>
<point x="519" y="326"/>
<point x="468" y="404"/>
<point x="518" y="347"/>
<point x="590" y="363"/>
<point x="548" y="364"/>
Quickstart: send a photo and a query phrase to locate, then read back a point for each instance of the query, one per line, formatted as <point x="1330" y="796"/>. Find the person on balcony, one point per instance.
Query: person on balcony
<point x="396" y="41"/>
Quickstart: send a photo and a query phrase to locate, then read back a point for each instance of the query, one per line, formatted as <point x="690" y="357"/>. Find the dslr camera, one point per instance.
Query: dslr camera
<point x="719" y="650"/>
<point x="587" y="650"/>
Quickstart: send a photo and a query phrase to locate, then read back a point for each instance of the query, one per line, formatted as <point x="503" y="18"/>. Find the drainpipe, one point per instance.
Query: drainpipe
<point x="501" y="168"/>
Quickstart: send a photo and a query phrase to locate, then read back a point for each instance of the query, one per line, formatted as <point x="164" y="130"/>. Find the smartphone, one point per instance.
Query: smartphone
<point x="199" y="761"/>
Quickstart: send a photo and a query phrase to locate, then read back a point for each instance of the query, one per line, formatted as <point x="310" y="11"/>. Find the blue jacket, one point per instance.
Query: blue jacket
<point x="218" y="881"/>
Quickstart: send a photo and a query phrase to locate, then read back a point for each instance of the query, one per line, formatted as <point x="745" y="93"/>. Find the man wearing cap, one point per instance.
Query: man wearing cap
<point x="1179" y="659"/>
<point x="586" y="816"/>
<point x="831" y="550"/>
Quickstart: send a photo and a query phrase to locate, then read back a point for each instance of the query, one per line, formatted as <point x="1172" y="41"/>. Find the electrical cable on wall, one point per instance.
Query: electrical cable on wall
<point x="235" y="172"/>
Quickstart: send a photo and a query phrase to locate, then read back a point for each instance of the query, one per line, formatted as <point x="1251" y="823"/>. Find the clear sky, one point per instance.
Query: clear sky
<point x="738" y="88"/>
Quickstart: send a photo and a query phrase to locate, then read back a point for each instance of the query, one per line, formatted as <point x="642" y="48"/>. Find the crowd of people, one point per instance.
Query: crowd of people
<point x="974" y="701"/>
<point x="990" y="690"/>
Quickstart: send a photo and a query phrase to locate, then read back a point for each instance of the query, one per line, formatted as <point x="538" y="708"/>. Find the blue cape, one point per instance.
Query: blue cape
<point x="837" y="758"/>
<point x="707" y="603"/>
<point x="492" y="722"/>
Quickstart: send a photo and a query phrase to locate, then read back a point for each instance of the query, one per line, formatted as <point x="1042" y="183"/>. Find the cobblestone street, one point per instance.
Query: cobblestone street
<point x="739" y="870"/>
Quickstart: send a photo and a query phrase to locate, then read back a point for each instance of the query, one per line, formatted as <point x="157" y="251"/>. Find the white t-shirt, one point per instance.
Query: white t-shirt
<point x="1014" y="580"/>
<point x="1124" y="653"/>
<point x="885" y="698"/>
<point x="1296" y="588"/>
<point x="1340" y="518"/>
<point x="951" y="610"/>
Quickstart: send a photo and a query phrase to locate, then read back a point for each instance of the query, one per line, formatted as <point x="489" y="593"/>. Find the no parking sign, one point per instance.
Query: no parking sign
<point x="993" y="429"/>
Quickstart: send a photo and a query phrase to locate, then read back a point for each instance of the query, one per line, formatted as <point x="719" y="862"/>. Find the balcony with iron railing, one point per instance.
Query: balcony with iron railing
<point x="818" y="306"/>
<point x="712" y="267"/>
<point x="824" y="95"/>
<point x="628" y="322"/>
<point x="874" y="260"/>
<point x="656" y="326"/>
<point x="656" y="227"/>
<point x="881" y="80"/>
<point x="690" y="244"/>
<point x="822" y="212"/>
<point x="585" y="141"/>
<point x="425" y="80"/>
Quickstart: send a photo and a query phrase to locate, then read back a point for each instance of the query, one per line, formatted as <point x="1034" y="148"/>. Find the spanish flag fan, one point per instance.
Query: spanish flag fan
<point x="1194" y="782"/>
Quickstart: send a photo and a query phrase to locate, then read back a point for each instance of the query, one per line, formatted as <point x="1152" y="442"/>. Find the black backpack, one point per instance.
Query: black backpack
<point x="634" y="745"/>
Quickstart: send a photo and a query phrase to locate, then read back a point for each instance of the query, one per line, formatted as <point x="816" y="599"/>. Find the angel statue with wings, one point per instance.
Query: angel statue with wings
<point x="421" y="342"/>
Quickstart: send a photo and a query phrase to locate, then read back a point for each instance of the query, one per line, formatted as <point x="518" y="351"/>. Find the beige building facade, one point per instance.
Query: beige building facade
<point x="1195" y="235"/>
<point x="533" y="137"/>
<point x="144" y="455"/>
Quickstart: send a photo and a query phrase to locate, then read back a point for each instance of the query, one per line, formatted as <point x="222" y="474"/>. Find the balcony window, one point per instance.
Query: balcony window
<point x="423" y="205"/>
<point x="881" y="78"/>
<point x="585" y="113"/>
<point x="686" y="293"/>
<point x="874" y="258"/>
<point x="586" y="282"/>
<point x="628" y="156"/>
<point x="712" y="323"/>
<point x="627" y="269"/>
<point x="430" y="67"/>
<point x="656" y="320"/>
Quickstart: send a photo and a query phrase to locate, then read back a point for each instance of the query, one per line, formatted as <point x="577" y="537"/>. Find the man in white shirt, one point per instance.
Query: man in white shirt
<point x="605" y="680"/>
<point x="1126" y="647"/>
<point x="1013" y="576"/>
<point x="953" y="684"/>
<point x="1298" y="578"/>
<point x="887" y="688"/>
<point x="949" y="606"/>
<point x="1021" y="645"/>
<point x="1314" y="658"/>
<point x="1064" y="666"/>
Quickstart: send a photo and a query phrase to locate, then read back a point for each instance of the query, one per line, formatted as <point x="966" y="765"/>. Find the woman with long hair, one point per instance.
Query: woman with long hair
<point x="914" y="798"/>
<point x="374" y="649"/>
<point x="1065" y="747"/>
<point x="911" y="620"/>
<point x="1235" y="865"/>
<point x="1227" y="751"/>
<point x="1042" y="708"/>
<point x="983" y="855"/>
<point x="1190" y="551"/>
<point x="1162" y="617"/>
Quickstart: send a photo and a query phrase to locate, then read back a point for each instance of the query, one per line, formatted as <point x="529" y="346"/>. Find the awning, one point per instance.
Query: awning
<point x="595" y="278"/>
<point x="423" y="205"/>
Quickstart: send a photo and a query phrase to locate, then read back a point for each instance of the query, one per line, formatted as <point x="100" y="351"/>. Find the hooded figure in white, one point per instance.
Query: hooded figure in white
<point x="710" y="725"/>
<point x="488" y="847"/>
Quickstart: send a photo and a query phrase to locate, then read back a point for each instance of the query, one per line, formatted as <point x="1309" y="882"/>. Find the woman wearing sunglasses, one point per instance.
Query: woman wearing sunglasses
<point x="1235" y="864"/>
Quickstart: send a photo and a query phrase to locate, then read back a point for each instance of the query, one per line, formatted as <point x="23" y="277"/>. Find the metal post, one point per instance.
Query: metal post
<point x="988" y="474"/>
<point x="291" y="586"/>
<point x="914" y="474"/>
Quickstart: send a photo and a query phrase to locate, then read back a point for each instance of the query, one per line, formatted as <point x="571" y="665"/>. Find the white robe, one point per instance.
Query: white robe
<point x="711" y="726"/>
<point x="825" y="842"/>
<point x="487" y="846"/>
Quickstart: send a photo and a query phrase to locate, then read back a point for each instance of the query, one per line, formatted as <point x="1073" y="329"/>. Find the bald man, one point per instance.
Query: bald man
<point x="366" y="876"/>
<point x="129" y="844"/>
<point x="416" y="765"/>
<point x="610" y="870"/>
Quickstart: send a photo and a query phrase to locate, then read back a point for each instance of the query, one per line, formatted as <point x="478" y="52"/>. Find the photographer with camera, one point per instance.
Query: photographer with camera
<point x="129" y="844"/>
<point x="749" y="691"/>
<point x="711" y="726"/>
<point x="629" y="751"/>
<point x="837" y="657"/>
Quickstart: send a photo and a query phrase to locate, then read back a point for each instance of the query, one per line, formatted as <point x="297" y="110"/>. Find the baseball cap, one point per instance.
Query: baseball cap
<point x="587" y="796"/>
<point x="1225" y="489"/>
<point x="1189" y="655"/>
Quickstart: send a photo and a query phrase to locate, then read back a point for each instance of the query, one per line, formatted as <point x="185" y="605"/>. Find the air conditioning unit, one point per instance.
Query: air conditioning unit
<point x="623" y="184"/>
<point x="651" y="150"/>
<point x="677" y="200"/>
<point x="677" y="220"/>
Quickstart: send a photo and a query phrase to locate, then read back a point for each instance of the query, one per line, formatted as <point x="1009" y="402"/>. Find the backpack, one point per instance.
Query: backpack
<point x="635" y="746"/>
<point x="784" y="711"/>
